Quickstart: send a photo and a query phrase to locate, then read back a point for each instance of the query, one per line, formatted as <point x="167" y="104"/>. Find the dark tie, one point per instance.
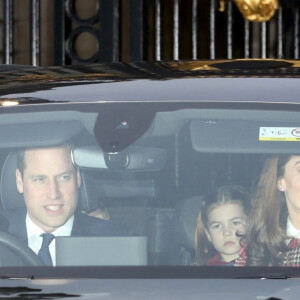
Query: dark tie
<point x="44" y="252"/>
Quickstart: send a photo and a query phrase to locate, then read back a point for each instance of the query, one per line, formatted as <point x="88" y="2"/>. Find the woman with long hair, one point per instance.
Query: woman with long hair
<point x="274" y="225"/>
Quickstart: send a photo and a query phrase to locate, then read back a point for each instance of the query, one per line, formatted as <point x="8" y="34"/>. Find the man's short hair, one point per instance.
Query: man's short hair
<point x="21" y="155"/>
<point x="21" y="161"/>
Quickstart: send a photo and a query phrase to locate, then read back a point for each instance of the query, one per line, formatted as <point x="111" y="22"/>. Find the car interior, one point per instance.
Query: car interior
<point x="154" y="182"/>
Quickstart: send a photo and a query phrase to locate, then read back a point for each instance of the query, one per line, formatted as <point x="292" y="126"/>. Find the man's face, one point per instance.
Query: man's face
<point x="50" y="186"/>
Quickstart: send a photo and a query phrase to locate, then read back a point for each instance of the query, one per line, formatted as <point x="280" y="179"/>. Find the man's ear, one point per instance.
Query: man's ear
<point x="207" y="235"/>
<point x="281" y="184"/>
<point x="78" y="178"/>
<point x="19" y="181"/>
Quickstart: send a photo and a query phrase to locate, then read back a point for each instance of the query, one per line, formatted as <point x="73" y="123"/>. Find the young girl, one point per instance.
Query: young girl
<point x="220" y="227"/>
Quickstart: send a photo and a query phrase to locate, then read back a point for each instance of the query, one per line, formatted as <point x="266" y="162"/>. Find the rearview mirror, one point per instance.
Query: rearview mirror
<point x="132" y="158"/>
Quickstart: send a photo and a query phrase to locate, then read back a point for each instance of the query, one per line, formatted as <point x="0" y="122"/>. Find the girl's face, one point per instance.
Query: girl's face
<point x="223" y="223"/>
<point x="289" y="183"/>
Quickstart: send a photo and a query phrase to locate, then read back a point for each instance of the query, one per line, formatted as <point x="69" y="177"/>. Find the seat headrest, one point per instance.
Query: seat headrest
<point x="88" y="194"/>
<point x="186" y="218"/>
<point x="11" y="199"/>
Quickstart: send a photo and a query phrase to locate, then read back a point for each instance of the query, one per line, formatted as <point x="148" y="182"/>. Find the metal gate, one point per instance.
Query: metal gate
<point x="127" y="30"/>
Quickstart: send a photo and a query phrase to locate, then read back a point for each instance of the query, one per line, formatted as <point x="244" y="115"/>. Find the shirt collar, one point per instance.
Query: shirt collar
<point x="291" y="231"/>
<point x="33" y="229"/>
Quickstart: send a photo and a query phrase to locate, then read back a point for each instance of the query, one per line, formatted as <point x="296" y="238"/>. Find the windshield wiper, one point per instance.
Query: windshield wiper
<point x="17" y="277"/>
<point x="270" y="276"/>
<point x="24" y="292"/>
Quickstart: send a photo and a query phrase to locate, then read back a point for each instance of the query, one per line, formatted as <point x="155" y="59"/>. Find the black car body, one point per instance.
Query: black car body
<point x="150" y="139"/>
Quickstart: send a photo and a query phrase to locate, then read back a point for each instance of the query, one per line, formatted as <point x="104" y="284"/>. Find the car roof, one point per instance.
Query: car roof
<point x="246" y="80"/>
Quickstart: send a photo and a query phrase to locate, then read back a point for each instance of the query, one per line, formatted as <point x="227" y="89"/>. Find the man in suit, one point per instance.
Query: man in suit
<point x="49" y="182"/>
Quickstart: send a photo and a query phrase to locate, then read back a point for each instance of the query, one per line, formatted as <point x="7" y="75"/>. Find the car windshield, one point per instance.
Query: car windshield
<point x="146" y="184"/>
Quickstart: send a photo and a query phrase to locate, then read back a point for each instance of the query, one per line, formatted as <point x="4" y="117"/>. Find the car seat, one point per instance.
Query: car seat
<point x="132" y="201"/>
<point x="185" y="219"/>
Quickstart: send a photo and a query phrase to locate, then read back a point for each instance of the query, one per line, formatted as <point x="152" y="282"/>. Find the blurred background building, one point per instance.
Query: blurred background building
<point x="58" y="32"/>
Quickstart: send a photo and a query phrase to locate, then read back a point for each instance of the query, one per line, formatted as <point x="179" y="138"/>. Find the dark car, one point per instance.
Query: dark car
<point x="152" y="146"/>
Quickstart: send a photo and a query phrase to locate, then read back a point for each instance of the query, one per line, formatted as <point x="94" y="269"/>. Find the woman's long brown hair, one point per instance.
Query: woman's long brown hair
<point x="266" y="229"/>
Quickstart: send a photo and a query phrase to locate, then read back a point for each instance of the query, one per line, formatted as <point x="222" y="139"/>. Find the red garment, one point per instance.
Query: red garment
<point x="291" y="258"/>
<point x="294" y="243"/>
<point x="242" y="259"/>
<point x="216" y="261"/>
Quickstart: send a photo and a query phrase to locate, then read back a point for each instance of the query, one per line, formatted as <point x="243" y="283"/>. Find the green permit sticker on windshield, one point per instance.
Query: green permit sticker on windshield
<point x="279" y="134"/>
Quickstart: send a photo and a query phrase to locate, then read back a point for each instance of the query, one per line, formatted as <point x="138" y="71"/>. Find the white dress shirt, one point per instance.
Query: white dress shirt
<point x="35" y="240"/>
<point x="291" y="230"/>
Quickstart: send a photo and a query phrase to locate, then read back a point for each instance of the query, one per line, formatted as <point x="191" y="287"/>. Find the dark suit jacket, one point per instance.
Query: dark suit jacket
<point x="83" y="226"/>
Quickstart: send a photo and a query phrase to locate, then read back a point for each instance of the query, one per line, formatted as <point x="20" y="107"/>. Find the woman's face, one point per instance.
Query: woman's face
<point x="289" y="183"/>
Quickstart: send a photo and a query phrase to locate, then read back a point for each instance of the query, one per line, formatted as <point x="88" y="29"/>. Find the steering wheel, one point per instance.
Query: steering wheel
<point x="15" y="246"/>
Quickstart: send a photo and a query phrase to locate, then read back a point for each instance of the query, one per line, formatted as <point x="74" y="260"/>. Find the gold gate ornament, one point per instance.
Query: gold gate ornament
<point x="255" y="10"/>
